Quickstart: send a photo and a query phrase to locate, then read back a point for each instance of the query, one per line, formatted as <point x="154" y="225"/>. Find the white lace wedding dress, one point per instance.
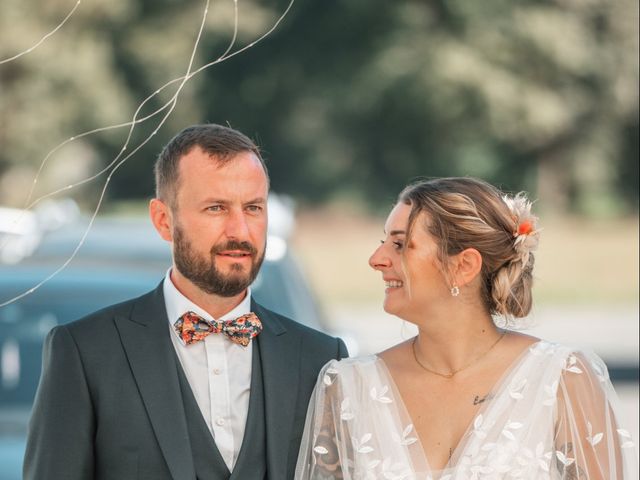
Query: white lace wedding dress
<point x="551" y="416"/>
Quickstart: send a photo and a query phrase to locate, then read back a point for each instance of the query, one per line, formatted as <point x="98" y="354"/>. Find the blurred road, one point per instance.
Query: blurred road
<point x="610" y="332"/>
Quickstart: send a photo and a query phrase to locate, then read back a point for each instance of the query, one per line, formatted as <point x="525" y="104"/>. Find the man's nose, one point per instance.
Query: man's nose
<point x="237" y="226"/>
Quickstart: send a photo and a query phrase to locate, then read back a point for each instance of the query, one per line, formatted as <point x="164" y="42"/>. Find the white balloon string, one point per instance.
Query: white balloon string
<point x="117" y="162"/>
<point x="43" y="39"/>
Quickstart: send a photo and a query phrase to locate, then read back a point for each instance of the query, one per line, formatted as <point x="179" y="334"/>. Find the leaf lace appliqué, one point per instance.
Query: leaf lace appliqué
<point x="380" y="396"/>
<point x="330" y="375"/>
<point x="405" y="439"/>
<point x="572" y="365"/>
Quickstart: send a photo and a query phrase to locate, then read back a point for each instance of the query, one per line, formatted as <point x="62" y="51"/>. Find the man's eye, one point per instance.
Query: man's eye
<point x="254" y="208"/>
<point x="214" y="208"/>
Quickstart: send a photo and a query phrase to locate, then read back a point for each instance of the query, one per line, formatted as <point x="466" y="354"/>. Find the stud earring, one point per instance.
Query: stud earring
<point x="455" y="291"/>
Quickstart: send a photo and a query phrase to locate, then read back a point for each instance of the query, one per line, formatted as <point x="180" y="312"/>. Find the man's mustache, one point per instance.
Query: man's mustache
<point x="244" y="247"/>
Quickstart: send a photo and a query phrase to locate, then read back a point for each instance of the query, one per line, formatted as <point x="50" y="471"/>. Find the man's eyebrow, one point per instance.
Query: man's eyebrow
<point x="223" y="201"/>
<point x="256" y="200"/>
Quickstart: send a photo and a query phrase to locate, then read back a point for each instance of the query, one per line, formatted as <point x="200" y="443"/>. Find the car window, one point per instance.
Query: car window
<point x="83" y="289"/>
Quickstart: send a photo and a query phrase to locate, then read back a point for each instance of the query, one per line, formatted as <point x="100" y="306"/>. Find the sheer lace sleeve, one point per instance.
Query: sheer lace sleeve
<point x="590" y="441"/>
<point x="323" y="439"/>
<point x="357" y="427"/>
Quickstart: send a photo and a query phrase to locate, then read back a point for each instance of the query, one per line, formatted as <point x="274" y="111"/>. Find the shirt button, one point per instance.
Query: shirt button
<point x="220" y="421"/>
<point x="217" y="371"/>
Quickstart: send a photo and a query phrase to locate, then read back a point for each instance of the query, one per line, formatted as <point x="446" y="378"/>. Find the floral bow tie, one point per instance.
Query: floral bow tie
<point x="192" y="328"/>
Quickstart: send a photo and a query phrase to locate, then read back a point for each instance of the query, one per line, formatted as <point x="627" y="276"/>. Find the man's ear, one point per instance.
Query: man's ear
<point x="161" y="218"/>
<point x="466" y="266"/>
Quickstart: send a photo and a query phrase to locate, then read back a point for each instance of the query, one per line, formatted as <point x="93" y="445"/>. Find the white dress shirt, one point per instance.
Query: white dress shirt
<point x="218" y="371"/>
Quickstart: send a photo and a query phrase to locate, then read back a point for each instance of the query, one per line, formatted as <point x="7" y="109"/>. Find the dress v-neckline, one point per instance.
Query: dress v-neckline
<point x="497" y="386"/>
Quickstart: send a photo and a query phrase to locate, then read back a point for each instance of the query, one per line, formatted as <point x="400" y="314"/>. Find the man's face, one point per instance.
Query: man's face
<point x="220" y="221"/>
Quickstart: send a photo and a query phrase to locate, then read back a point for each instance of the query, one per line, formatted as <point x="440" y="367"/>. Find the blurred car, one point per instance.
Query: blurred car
<point x="118" y="260"/>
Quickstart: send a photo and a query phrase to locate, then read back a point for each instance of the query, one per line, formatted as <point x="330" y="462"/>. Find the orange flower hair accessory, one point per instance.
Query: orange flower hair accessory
<point x="525" y="232"/>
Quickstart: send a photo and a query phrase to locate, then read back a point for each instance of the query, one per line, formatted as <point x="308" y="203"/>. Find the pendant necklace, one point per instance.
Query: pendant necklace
<point x="452" y="373"/>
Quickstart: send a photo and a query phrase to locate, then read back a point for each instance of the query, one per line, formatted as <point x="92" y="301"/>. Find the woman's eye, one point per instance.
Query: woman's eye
<point x="398" y="245"/>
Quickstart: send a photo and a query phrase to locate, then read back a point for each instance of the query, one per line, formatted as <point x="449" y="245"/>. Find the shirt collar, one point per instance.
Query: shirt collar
<point x="177" y="304"/>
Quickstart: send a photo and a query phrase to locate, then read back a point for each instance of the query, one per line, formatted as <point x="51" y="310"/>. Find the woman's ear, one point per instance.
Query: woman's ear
<point x="161" y="218"/>
<point x="466" y="267"/>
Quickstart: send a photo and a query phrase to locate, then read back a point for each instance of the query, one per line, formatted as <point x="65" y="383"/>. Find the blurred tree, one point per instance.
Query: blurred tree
<point x="355" y="98"/>
<point x="66" y="86"/>
<point x="538" y="95"/>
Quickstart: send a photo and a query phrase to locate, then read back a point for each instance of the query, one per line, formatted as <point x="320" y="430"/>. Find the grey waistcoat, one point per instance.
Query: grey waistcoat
<point x="251" y="463"/>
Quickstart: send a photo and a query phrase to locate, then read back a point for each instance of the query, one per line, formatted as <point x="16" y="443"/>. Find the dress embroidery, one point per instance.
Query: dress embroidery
<point x="551" y="417"/>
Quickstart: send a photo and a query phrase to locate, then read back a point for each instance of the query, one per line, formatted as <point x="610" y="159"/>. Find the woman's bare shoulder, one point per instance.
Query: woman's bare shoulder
<point x="397" y="355"/>
<point x="518" y="340"/>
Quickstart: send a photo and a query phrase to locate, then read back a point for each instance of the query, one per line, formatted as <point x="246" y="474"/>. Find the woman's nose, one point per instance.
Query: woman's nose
<point x="379" y="259"/>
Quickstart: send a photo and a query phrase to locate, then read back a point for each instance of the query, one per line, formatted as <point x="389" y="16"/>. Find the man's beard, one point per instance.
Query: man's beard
<point x="202" y="271"/>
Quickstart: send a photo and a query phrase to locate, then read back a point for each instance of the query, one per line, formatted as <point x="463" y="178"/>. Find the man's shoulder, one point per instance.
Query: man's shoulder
<point x="292" y="326"/>
<point x="103" y="318"/>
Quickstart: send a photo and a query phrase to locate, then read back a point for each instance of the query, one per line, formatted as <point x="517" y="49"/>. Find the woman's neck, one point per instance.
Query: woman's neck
<point x="449" y="341"/>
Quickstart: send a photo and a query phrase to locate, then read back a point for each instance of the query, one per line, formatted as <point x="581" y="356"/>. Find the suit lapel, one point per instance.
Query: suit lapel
<point x="145" y="338"/>
<point x="279" y="354"/>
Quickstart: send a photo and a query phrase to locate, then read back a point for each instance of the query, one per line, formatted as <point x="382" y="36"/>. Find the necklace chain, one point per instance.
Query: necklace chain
<point x="452" y="373"/>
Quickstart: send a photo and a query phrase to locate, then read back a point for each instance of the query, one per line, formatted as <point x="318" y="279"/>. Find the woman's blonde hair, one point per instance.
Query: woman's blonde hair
<point x="469" y="213"/>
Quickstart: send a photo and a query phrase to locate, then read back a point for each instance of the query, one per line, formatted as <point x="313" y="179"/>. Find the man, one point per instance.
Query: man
<point x="170" y="385"/>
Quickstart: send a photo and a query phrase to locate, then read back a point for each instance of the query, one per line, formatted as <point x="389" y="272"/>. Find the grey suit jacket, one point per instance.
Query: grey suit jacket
<point x="109" y="404"/>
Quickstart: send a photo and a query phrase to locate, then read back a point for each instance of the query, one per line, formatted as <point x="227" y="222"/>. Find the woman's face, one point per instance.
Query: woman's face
<point x="410" y="268"/>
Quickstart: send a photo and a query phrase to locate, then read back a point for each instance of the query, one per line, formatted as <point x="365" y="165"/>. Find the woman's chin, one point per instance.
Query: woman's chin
<point x="390" y="308"/>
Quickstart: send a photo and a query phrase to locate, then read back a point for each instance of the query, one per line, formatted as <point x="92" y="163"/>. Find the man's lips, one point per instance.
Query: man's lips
<point x="235" y="254"/>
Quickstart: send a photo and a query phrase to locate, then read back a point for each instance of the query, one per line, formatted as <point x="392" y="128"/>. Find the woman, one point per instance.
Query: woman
<point x="464" y="399"/>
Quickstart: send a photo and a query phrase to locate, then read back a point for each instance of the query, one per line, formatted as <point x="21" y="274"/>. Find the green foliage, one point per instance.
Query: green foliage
<point x="351" y="97"/>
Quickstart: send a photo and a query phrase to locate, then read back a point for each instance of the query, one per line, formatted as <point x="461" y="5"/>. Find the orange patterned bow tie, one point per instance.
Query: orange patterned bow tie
<point x="192" y="328"/>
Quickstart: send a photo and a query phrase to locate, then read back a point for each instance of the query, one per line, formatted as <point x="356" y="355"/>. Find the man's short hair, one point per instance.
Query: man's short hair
<point x="220" y="142"/>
